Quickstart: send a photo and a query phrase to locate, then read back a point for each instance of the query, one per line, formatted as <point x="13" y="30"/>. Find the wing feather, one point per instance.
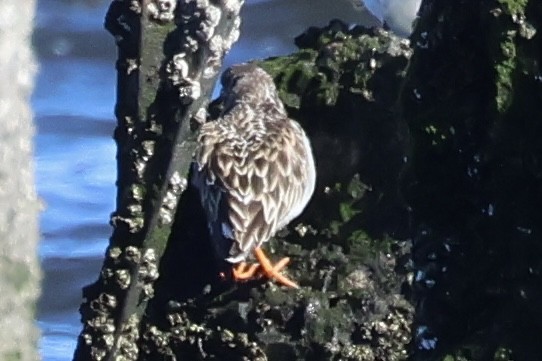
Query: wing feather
<point x="263" y="181"/>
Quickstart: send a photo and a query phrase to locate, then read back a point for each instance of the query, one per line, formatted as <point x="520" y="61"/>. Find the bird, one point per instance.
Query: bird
<point x="254" y="170"/>
<point x="398" y="15"/>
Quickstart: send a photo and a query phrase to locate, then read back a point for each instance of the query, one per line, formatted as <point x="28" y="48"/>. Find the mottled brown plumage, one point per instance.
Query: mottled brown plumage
<point x="254" y="165"/>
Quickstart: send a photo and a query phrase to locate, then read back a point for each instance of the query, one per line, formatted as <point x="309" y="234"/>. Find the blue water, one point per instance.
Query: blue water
<point x="73" y="104"/>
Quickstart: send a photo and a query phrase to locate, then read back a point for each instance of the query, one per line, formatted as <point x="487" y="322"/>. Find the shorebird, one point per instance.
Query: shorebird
<point x="254" y="170"/>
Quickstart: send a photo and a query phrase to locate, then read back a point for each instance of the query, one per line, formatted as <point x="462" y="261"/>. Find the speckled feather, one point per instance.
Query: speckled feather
<point x="255" y="170"/>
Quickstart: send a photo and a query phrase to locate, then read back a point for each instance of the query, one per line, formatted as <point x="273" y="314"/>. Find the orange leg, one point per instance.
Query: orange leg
<point x="273" y="271"/>
<point x="242" y="273"/>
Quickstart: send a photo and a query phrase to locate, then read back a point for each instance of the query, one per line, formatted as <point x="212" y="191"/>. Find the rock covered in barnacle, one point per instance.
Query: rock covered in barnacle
<point x="350" y="305"/>
<point x="200" y="42"/>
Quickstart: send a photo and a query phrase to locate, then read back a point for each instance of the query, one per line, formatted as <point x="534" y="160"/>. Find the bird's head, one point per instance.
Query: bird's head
<point x="247" y="83"/>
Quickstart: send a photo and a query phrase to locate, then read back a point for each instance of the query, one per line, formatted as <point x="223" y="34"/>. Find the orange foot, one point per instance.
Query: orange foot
<point x="241" y="272"/>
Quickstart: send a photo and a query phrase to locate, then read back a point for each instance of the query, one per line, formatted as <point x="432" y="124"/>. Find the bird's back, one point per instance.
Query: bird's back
<point x="254" y="166"/>
<point x="263" y="171"/>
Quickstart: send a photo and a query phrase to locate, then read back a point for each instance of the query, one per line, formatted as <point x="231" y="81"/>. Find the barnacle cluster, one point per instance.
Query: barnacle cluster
<point x="123" y="268"/>
<point x="201" y="41"/>
<point x="133" y="220"/>
<point x="148" y="272"/>
<point x="162" y="10"/>
<point x="187" y="339"/>
<point x="176" y="186"/>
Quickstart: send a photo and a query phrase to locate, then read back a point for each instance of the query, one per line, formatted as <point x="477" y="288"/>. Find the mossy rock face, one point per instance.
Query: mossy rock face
<point x="343" y="87"/>
<point x="344" y="249"/>
<point x="472" y="102"/>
